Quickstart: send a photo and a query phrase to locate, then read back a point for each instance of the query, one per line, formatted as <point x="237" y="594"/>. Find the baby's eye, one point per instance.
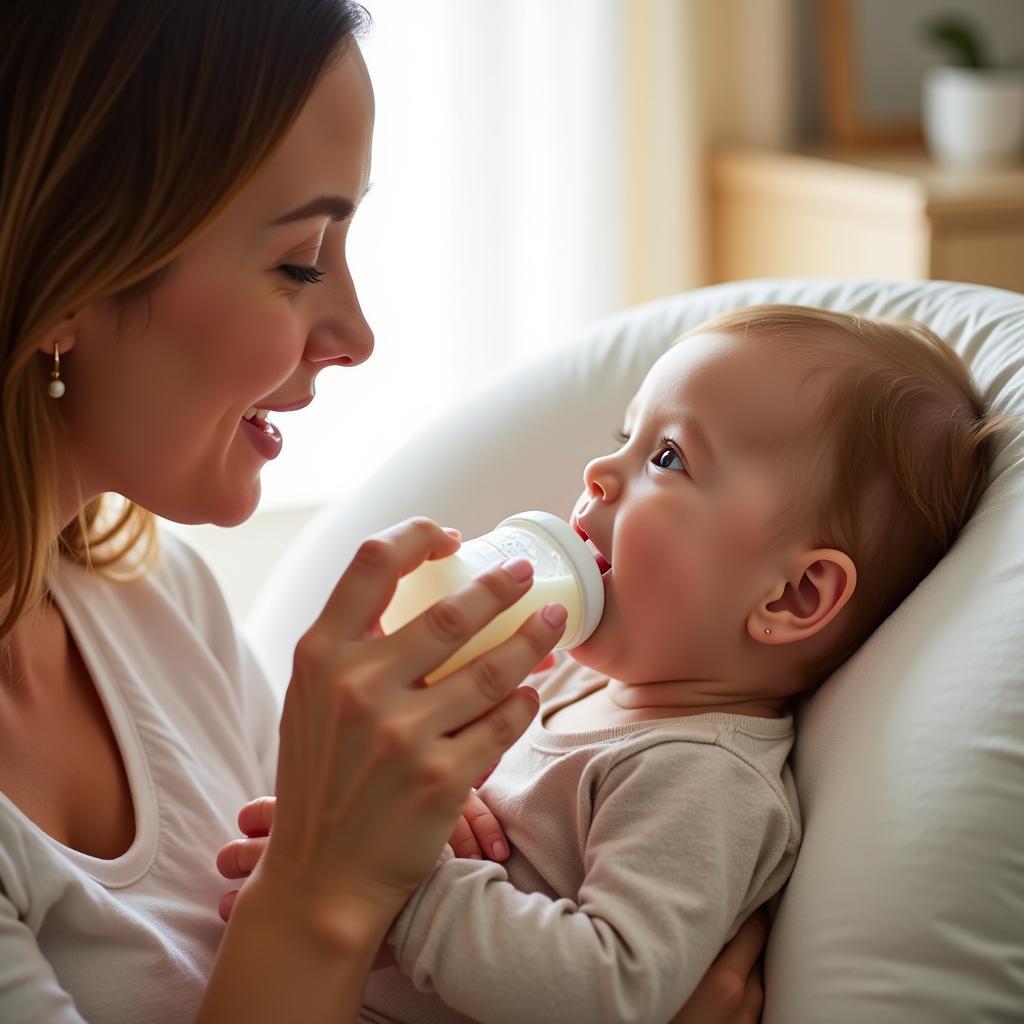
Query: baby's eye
<point x="668" y="458"/>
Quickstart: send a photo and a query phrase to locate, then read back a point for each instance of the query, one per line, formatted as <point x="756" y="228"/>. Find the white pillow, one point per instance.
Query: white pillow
<point x="907" y="902"/>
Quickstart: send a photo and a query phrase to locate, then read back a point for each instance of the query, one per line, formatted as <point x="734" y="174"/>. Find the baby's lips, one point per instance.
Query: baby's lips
<point x="603" y="564"/>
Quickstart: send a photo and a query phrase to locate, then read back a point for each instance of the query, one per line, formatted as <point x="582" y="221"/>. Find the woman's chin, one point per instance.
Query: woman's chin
<point x="230" y="508"/>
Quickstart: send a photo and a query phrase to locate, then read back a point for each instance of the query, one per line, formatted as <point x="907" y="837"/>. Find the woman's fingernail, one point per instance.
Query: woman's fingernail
<point x="499" y="850"/>
<point x="554" y="615"/>
<point x="452" y="532"/>
<point x="520" y="569"/>
<point x="473" y="856"/>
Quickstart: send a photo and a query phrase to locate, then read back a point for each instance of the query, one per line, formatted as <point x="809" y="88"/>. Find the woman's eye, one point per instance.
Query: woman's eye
<point x="304" y="275"/>
<point x="621" y="437"/>
<point x="668" y="458"/>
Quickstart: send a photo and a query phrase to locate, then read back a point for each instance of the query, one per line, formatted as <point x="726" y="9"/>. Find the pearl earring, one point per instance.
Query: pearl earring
<point x="56" y="386"/>
<point x="767" y="631"/>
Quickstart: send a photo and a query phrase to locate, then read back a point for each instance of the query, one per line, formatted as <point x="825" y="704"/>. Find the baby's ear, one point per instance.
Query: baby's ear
<point x="821" y="583"/>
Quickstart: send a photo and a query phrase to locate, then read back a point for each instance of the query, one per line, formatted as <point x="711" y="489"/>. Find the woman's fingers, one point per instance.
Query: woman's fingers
<point x="368" y="584"/>
<point x="546" y="663"/>
<point x="476" y="746"/>
<point x="731" y="990"/>
<point x="743" y="952"/>
<point x="240" y="856"/>
<point x="478" y="686"/>
<point x="753" y="996"/>
<point x="431" y="638"/>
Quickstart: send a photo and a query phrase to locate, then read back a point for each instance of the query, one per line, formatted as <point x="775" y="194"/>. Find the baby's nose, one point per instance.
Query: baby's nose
<point x="601" y="479"/>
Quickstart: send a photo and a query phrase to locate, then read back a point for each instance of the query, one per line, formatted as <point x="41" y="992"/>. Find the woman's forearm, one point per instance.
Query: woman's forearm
<point x="280" y="960"/>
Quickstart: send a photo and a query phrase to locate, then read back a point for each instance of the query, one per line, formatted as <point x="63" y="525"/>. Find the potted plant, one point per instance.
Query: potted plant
<point x="973" y="109"/>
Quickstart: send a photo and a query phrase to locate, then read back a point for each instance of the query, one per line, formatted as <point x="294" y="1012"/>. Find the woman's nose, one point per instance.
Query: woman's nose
<point x="601" y="478"/>
<point x="341" y="335"/>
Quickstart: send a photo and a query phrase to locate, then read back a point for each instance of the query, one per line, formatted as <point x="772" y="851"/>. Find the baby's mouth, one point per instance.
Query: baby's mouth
<point x="603" y="565"/>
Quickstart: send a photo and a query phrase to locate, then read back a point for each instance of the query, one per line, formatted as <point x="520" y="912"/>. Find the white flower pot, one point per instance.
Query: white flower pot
<point x="974" y="118"/>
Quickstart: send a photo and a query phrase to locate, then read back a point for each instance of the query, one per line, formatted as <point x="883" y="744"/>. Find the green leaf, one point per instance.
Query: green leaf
<point x="959" y="37"/>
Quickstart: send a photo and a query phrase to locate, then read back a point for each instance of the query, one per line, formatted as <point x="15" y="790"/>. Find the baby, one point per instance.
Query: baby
<point x="786" y="477"/>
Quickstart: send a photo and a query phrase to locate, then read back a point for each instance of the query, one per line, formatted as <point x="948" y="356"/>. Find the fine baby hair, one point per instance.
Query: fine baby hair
<point x="901" y="458"/>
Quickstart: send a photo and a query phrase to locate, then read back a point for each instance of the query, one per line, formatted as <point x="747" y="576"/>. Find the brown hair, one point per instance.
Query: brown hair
<point x="906" y="456"/>
<point x="127" y="127"/>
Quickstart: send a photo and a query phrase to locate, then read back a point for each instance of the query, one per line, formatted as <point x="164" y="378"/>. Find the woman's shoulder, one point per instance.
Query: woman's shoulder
<point x="177" y="583"/>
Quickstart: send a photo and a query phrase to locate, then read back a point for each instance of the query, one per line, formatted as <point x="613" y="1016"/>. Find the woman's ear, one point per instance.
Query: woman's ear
<point x="821" y="584"/>
<point x="64" y="333"/>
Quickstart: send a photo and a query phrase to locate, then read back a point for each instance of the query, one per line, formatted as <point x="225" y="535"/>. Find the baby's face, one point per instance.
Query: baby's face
<point x="683" y="513"/>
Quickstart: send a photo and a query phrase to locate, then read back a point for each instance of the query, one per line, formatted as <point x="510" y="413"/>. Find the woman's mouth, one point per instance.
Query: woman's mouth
<point x="263" y="434"/>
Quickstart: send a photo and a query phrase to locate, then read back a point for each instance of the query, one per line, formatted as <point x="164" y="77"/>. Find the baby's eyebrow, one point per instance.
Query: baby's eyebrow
<point x="697" y="434"/>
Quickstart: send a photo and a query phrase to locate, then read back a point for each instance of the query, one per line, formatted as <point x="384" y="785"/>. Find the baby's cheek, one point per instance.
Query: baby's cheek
<point x="661" y="584"/>
<point x="741" y="531"/>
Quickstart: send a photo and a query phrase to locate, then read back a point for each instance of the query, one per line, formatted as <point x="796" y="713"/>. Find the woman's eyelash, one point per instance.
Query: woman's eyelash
<point x="621" y="436"/>
<point x="304" y="275"/>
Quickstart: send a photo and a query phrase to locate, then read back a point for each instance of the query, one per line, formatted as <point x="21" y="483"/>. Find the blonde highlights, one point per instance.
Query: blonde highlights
<point x="903" y="458"/>
<point x="127" y="128"/>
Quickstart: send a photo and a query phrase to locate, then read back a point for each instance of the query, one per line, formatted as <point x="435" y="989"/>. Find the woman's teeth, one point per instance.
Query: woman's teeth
<point x="254" y="413"/>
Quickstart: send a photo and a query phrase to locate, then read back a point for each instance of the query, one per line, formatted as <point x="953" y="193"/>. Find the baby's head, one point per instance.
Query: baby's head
<point x="787" y="476"/>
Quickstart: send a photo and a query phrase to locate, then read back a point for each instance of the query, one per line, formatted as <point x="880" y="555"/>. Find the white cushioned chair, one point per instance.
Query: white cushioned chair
<point x="907" y="902"/>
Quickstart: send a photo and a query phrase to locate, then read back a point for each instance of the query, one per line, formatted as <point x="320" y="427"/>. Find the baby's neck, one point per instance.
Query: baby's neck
<point x="619" y="703"/>
<point x="689" y="697"/>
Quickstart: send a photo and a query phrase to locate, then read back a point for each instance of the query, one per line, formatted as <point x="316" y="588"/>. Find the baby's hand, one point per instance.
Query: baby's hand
<point x="240" y="856"/>
<point x="477" y="833"/>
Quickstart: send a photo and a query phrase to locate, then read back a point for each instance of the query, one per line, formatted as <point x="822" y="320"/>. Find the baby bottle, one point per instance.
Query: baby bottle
<point x="564" y="572"/>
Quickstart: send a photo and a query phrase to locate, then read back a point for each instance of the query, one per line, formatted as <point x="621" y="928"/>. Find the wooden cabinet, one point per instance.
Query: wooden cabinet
<point x="864" y="214"/>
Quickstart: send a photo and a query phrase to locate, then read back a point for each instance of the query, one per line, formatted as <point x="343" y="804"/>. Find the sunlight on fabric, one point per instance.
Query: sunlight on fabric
<point x="494" y="227"/>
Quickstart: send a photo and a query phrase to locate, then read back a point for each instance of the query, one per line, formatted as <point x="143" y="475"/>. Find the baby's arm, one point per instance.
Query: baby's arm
<point x="670" y="858"/>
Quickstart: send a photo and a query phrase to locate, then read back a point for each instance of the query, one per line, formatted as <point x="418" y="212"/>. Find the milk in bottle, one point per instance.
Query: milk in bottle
<point x="564" y="572"/>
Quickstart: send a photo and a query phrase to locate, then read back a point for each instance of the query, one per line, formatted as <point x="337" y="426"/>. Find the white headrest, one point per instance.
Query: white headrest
<point x="907" y="903"/>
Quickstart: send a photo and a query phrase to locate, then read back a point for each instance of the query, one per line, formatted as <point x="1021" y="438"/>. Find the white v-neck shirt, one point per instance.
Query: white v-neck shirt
<point x="133" y="939"/>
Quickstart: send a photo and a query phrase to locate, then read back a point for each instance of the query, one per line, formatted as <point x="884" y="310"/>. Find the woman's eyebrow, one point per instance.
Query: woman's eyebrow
<point x="334" y="207"/>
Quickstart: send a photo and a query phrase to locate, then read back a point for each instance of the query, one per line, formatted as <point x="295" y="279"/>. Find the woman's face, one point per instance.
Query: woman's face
<point x="155" y="407"/>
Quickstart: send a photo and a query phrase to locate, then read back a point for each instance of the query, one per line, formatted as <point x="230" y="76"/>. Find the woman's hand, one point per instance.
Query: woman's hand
<point x="374" y="766"/>
<point x="477" y="834"/>
<point x="731" y="991"/>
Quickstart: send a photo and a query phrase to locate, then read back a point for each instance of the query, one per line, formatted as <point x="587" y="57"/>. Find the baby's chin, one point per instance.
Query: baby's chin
<point x="593" y="655"/>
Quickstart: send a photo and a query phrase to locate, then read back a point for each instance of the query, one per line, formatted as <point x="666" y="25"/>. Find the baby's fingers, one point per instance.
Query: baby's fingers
<point x="487" y="832"/>
<point x="256" y="818"/>
<point x="227" y="901"/>
<point x="240" y="856"/>
<point x="463" y="842"/>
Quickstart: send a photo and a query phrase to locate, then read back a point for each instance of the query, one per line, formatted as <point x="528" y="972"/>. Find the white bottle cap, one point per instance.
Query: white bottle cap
<point x="580" y="560"/>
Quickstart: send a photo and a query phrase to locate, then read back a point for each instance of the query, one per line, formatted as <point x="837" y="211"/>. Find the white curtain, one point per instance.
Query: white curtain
<point x="494" y="226"/>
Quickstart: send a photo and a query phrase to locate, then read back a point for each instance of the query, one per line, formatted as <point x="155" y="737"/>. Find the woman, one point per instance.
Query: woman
<point x="178" y="182"/>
